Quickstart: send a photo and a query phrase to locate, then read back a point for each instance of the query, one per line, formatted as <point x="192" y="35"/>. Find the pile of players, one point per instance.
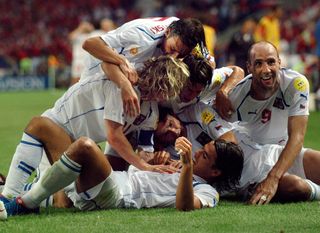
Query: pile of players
<point x="152" y="92"/>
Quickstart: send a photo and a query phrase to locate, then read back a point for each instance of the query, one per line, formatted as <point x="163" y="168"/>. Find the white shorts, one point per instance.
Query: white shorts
<point x="258" y="165"/>
<point x="106" y="195"/>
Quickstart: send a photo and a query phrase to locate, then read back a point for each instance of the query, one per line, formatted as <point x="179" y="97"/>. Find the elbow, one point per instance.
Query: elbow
<point x="87" y="44"/>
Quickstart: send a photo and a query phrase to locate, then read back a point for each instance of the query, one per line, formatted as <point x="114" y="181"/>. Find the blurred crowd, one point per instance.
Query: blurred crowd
<point x="35" y="34"/>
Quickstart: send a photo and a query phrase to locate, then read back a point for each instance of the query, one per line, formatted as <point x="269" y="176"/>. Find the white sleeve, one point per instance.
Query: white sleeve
<point x="113" y="108"/>
<point x="122" y="39"/>
<point x="208" y="196"/>
<point x="219" y="76"/>
<point x="297" y="95"/>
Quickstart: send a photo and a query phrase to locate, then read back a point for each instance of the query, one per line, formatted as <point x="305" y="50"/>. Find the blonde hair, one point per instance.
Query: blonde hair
<point x="162" y="78"/>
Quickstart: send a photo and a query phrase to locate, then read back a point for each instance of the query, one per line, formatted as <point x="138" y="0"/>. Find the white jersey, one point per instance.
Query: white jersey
<point x="85" y="106"/>
<point x="207" y="95"/>
<point x="203" y="125"/>
<point x="140" y="189"/>
<point x="137" y="40"/>
<point x="267" y="120"/>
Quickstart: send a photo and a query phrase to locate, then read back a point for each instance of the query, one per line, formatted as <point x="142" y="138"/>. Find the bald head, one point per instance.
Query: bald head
<point x="260" y="47"/>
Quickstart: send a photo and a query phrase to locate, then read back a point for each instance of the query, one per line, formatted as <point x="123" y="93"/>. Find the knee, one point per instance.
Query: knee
<point x="37" y="125"/>
<point x="293" y="188"/>
<point x="85" y="145"/>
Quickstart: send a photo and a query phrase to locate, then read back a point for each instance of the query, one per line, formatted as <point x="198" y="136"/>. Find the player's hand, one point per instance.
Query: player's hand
<point x="131" y="105"/>
<point x="184" y="147"/>
<point x="265" y="191"/>
<point x="175" y="163"/>
<point x="129" y="71"/>
<point x="161" y="157"/>
<point x="223" y="105"/>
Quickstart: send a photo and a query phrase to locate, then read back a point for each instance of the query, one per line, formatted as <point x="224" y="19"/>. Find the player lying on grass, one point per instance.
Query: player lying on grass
<point x="94" y="185"/>
<point x="93" y="108"/>
<point x="200" y="124"/>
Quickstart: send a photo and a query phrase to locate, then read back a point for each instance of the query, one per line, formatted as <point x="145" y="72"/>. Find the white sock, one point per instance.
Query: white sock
<point x="45" y="203"/>
<point x="25" y="160"/>
<point x="62" y="173"/>
<point x="315" y="190"/>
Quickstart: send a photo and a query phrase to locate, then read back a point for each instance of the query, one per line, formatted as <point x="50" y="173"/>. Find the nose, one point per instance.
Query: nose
<point x="265" y="67"/>
<point x="176" y="131"/>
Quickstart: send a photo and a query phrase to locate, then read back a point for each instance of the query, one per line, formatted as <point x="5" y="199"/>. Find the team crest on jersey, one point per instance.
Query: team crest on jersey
<point x="278" y="103"/>
<point x="133" y="51"/>
<point x="207" y="116"/>
<point x="301" y="84"/>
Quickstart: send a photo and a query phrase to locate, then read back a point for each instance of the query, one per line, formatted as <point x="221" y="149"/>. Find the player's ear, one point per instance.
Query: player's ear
<point x="248" y="67"/>
<point x="167" y="33"/>
<point x="215" y="172"/>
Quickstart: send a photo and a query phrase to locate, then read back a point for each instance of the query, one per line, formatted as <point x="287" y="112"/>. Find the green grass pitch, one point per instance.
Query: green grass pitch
<point x="18" y="108"/>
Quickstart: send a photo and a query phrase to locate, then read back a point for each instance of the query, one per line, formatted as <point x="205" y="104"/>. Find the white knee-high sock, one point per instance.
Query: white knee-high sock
<point x="62" y="173"/>
<point x="315" y="190"/>
<point x="25" y="160"/>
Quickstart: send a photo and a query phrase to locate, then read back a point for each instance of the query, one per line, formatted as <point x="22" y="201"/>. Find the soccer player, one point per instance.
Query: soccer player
<point x="93" y="108"/>
<point x="94" y="185"/>
<point x="200" y="124"/>
<point x="205" y="83"/>
<point x="272" y="105"/>
<point x="135" y="42"/>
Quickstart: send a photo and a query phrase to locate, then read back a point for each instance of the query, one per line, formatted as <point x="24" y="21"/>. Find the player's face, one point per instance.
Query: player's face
<point x="172" y="45"/>
<point x="190" y="91"/>
<point x="264" y="66"/>
<point x="204" y="161"/>
<point x="168" y="130"/>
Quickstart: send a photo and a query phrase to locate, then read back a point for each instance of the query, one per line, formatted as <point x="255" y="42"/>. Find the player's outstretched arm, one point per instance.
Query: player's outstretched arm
<point x="268" y="187"/>
<point x="119" y="142"/>
<point x="185" y="199"/>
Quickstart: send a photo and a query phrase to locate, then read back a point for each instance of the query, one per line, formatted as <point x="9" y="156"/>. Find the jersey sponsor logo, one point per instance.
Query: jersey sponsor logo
<point x="218" y="127"/>
<point x="278" y="103"/>
<point x="133" y="51"/>
<point x="304" y="96"/>
<point x="207" y="116"/>
<point x="300" y="84"/>
<point x="302" y="106"/>
<point x="203" y="138"/>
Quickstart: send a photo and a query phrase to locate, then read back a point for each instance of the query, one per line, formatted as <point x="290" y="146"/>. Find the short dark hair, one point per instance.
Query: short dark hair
<point x="230" y="163"/>
<point x="164" y="112"/>
<point x="200" y="70"/>
<point x="189" y="30"/>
